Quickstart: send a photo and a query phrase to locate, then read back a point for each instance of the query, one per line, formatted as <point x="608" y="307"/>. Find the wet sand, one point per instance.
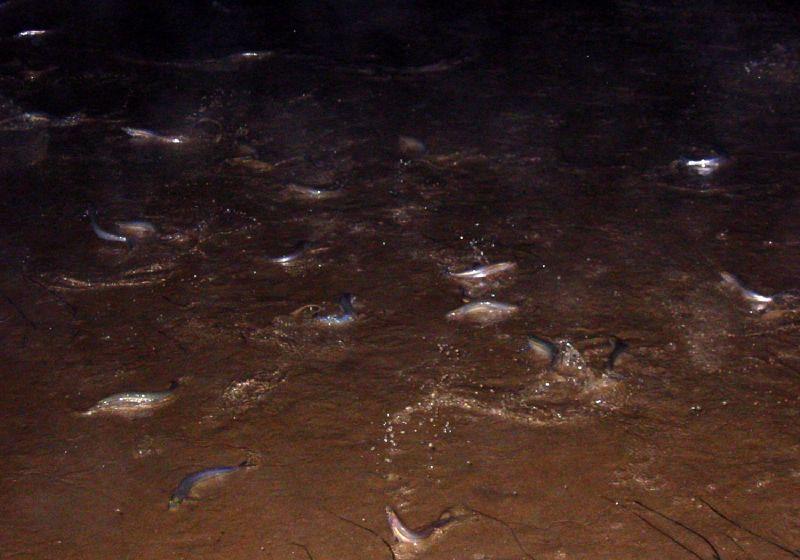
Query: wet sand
<point x="549" y="142"/>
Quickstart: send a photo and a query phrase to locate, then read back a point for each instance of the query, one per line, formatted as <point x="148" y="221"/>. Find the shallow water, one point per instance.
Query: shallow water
<point x="549" y="141"/>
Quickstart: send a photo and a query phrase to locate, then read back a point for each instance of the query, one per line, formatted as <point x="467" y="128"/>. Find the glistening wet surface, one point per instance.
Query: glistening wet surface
<point x="404" y="145"/>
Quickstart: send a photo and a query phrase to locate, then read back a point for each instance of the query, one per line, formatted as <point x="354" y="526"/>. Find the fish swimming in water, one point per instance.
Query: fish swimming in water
<point x="546" y="349"/>
<point x="757" y="301"/>
<point x="294" y="253"/>
<point x="348" y="314"/>
<point x="405" y="535"/>
<point x="143" y="135"/>
<point x="483" y="311"/>
<point x="133" y="403"/>
<point x="133" y="230"/>
<point x="311" y="193"/>
<point x="184" y="489"/>
<point x="704" y="166"/>
<point x="483" y="271"/>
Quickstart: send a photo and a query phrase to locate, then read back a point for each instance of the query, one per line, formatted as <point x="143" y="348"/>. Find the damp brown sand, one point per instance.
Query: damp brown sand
<point x="547" y="169"/>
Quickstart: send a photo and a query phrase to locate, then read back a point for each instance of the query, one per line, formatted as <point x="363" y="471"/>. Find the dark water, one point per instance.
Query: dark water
<point x="550" y="140"/>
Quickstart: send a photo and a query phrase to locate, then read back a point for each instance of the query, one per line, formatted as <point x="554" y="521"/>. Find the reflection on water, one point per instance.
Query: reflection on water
<point x="474" y="178"/>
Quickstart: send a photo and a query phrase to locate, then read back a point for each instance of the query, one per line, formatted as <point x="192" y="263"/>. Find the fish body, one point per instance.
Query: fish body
<point x="483" y="271"/>
<point x="131" y="403"/>
<point x="544" y="348"/>
<point x="144" y="135"/>
<point x="405" y="535"/>
<point x="703" y="166"/>
<point x="32" y="33"/>
<point x="103" y="234"/>
<point x="348" y="314"/>
<point x="186" y="485"/>
<point x="484" y="311"/>
<point x="294" y="253"/>
<point x="137" y="229"/>
<point x="311" y="193"/>
<point x="756" y="300"/>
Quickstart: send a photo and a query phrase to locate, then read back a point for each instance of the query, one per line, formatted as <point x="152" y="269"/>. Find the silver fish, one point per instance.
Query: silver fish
<point x="757" y="301"/>
<point x="138" y="229"/>
<point x="132" y="403"/>
<point x="484" y="311"/>
<point x="311" y="193"/>
<point x="103" y="234"/>
<point x="405" y="535"/>
<point x="144" y="135"/>
<point x="186" y="485"/>
<point x="294" y="253"/>
<point x="483" y="271"/>
<point x="32" y="33"/>
<point x="704" y="166"/>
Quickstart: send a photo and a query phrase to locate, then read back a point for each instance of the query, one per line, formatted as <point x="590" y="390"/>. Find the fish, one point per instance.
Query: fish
<point x="483" y="271"/>
<point x="348" y="314"/>
<point x="405" y="535"/>
<point x="131" y="230"/>
<point x="618" y="346"/>
<point x="483" y="311"/>
<point x="32" y="33"/>
<point x="757" y="301"/>
<point x="138" y="229"/>
<point x="103" y="234"/>
<point x="544" y="348"/>
<point x="132" y="403"/>
<point x="184" y="489"/>
<point x="294" y="253"/>
<point x="704" y="166"/>
<point x="144" y="135"/>
<point x="311" y="193"/>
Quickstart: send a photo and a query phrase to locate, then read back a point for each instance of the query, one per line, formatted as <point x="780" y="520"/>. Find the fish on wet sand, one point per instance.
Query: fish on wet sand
<point x="348" y="314"/>
<point x="483" y="271"/>
<point x="483" y="311"/>
<point x="404" y="535"/>
<point x="183" y="491"/>
<point x="132" y="403"/>
<point x="757" y="301"/>
<point x="148" y="136"/>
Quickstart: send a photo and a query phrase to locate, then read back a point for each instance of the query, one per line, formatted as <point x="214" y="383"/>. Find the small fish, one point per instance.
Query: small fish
<point x="32" y="33"/>
<point x="544" y="348"/>
<point x="484" y="311"/>
<point x="143" y="135"/>
<point x="294" y="253"/>
<point x="103" y="234"/>
<point x="483" y="271"/>
<point x="704" y="166"/>
<point x="250" y="55"/>
<point x="185" y="486"/>
<point x="618" y="346"/>
<point x="131" y="230"/>
<point x="137" y="229"/>
<point x="757" y="301"/>
<point x="132" y="403"/>
<point x="311" y="193"/>
<point x="408" y="536"/>
<point x="348" y="314"/>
